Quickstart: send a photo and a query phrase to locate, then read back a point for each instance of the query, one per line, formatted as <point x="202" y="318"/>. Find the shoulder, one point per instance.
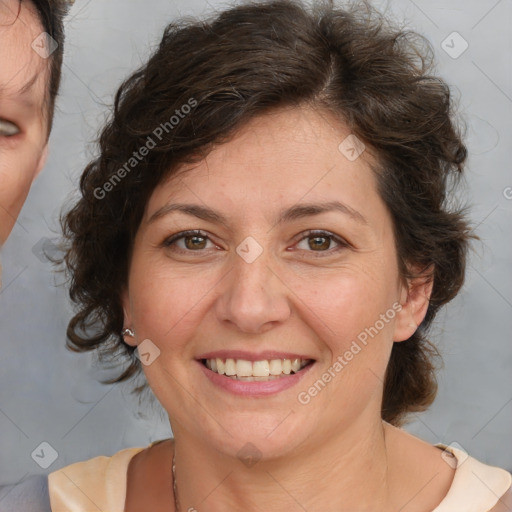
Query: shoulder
<point x="30" y="495"/>
<point x="475" y="484"/>
<point x="98" y="483"/>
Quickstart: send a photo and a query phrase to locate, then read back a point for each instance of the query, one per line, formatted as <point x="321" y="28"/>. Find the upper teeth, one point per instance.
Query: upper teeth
<point x="264" y="368"/>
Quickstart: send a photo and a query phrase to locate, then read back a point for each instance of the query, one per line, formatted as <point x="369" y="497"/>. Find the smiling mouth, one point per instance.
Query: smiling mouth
<point x="248" y="371"/>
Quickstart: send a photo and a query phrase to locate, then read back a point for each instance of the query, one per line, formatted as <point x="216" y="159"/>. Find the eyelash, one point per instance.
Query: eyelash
<point x="308" y="234"/>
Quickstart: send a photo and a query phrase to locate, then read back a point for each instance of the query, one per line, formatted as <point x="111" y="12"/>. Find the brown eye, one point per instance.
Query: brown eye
<point x="8" y="129"/>
<point x="321" y="241"/>
<point x="190" y="241"/>
<point x="194" y="242"/>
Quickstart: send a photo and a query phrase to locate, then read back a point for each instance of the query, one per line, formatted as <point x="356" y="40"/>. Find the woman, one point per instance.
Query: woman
<point x="266" y="234"/>
<point x="29" y="83"/>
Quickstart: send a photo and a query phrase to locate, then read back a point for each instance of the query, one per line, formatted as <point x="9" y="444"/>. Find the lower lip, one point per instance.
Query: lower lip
<point x="254" y="388"/>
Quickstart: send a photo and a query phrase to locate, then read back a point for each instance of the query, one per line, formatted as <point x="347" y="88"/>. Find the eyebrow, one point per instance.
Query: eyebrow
<point x="295" y="212"/>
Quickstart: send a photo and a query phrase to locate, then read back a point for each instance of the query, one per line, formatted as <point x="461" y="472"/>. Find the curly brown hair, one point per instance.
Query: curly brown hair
<point x="246" y="61"/>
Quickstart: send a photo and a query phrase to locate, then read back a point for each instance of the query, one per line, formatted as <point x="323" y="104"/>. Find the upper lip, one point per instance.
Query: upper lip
<point x="252" y="356"/>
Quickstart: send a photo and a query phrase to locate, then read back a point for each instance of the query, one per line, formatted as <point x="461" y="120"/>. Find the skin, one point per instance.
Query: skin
<point x="335" y="453"/>
<point x="23" y="154"/>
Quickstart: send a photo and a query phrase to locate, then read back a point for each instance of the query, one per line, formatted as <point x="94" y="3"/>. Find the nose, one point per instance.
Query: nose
<point x="253" y="296"/>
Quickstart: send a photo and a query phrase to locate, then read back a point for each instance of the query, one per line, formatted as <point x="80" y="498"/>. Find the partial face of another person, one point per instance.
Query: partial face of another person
<point x="266" y="278"/>
<point x="23" y="112"/>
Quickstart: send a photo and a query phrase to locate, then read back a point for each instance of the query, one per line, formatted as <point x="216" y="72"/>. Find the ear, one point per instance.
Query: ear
<point x="42" y="161"/>
<point x="125" y="301"/>
<point x="414" y="298"/>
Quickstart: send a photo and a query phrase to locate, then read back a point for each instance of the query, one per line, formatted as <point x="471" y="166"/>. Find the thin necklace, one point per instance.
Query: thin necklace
<point x="175" y="487"/>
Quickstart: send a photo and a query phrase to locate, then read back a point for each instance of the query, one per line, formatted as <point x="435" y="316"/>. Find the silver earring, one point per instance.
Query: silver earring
<point x="128" y="332"/>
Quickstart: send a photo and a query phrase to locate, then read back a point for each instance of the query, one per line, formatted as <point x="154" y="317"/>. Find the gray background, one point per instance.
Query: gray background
<point x="48" y="393"/>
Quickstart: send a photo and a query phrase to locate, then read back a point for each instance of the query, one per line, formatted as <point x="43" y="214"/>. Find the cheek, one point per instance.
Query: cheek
<point x="345" y="303"/>
<point x="16" y="175"/>
<point x="352" y="315"/>
<point x="165" y="305"/>
<point x="336" y="305"/>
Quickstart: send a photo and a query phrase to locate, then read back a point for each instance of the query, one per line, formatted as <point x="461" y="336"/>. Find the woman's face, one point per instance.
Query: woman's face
<point x="23" y="116"/>
<point x="268" y="279"/>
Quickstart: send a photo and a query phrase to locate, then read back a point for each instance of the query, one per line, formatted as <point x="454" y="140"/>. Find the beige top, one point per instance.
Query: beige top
<point x="99" y="484"/>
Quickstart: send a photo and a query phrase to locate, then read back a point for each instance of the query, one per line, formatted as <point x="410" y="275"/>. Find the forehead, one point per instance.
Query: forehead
<point x="289" y="156"/>
<point x="23" y="72"/>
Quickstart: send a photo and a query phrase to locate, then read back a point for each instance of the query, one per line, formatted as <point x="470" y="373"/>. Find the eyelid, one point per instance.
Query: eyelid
<point x="8" y="128"/>
<point x="342" y="243"/>
<point x="184" y="234"/>
<point x="322" y="232"/>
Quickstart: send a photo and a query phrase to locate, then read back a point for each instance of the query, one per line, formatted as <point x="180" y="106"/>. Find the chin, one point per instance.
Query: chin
<point x="256" y="436"/>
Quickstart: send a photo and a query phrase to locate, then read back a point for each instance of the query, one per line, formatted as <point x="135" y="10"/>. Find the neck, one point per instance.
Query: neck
<point x="344" y="472"/>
